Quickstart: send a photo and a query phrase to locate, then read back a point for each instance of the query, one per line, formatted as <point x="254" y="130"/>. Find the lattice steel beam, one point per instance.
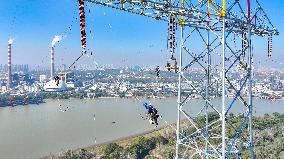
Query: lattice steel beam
<point x="223" y="32"/>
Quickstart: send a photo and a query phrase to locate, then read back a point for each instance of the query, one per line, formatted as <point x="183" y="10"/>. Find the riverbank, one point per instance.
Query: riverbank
<point x="160" y="144"/>
<point x="121" y="140"/>
<point x="29" y="99"/>
<point x="23" y="102"/>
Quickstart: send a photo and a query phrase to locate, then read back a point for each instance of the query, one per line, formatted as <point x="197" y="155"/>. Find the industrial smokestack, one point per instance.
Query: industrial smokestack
<point x="9" y="63"/>
<point x="52" y="63"/>
<point x="56" y="39"/>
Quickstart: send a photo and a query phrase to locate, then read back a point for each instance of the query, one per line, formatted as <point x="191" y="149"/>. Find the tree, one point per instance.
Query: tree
<point x="112" y="151"/>
<point x="141" y="147"/>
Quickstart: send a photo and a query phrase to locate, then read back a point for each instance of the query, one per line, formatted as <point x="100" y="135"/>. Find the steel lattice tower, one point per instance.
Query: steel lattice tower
<point x="223" y="31"/>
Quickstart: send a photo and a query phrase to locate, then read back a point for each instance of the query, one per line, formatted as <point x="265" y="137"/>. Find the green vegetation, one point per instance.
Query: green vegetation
<point x="268" y="142"/>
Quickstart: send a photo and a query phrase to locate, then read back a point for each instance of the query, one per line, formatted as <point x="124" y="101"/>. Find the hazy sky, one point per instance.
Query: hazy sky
<point x="117" y="37"/>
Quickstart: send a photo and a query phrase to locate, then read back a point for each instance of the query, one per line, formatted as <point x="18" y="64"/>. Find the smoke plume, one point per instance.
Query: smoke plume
<point x="10" y="41"/>
<point x="56" y="39"/>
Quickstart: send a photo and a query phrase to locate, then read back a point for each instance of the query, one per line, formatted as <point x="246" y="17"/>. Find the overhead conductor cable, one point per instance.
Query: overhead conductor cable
<point x="82" y="29"/>
<point x="82" y="24"/>
<point x="269" y="45"/>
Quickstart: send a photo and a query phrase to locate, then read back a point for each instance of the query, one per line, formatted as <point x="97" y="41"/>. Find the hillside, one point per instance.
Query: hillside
<point x="268" y="141"/>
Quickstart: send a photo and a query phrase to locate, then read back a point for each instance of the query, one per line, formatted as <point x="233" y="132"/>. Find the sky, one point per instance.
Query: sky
<point x="117" y="37"/>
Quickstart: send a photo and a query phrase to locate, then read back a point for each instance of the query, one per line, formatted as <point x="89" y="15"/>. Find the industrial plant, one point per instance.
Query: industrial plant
<point x="18" y="80"/>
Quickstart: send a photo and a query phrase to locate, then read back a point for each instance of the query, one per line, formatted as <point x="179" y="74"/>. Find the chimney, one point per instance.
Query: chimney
<point x="9" y="65"/>
<point x="52" y="63"/>
<point x="55" y="40"/>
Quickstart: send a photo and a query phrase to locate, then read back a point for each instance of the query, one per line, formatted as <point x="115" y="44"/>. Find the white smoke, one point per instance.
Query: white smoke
<point x="56" y="39"/>
<point x="10" y="41"/>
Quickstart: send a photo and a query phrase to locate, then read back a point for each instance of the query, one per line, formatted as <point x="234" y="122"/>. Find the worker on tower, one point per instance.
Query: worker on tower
<point x="168" y="66"/>
<point x="155" y="116"/>
<point x="149" y="108"/>
<point x="172" y="67"/>
<point x="157" y="70"/>
<point x="152" y="113"/>
<point x="56" y="79"/>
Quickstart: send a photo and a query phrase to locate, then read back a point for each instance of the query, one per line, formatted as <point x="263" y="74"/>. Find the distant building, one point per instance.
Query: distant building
<point x="20" y="78"/>
<point x="3" y="88"/>
<point x="53" y="86"/>
<point x="67" y="80"/>
<point x="42" y="78"/>
<point x="70" y="80"/>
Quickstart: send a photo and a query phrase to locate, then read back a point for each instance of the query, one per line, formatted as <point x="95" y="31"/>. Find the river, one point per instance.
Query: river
<point x="34" y="131"/>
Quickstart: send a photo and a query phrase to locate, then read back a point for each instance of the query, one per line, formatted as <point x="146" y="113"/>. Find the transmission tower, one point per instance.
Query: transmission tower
<point x="216" y="38"/>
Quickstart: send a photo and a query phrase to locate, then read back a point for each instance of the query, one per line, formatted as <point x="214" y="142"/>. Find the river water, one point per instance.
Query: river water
<point x="34" y="131"/>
